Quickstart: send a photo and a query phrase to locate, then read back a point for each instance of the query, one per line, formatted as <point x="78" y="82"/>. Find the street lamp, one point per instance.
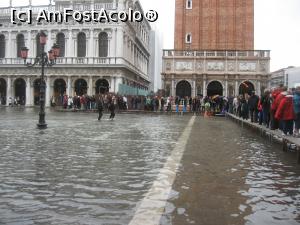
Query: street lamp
<point x="43" y="60"/>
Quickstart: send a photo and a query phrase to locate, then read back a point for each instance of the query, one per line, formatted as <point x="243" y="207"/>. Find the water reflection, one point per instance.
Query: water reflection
<point x="79" y="171"/>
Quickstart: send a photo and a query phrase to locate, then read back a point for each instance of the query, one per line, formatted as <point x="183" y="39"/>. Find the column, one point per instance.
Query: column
<point x="8" y="91"/>
<point x="118" y="81"/>
<point x="70" y="52"/>
<point x="28" y="96"/>
<point x="236" y="88"/>
<point x="28" y="44"/>
<point x="8" y="46"/>
<point x="91" y="48"/>
<point x="48" y="89"/>
<point x="49" y="41"/>
<point x="204" y="86"/>
<point x="258" y="91"/>
<point x="226" y="87"/>
<point x="69" y="93"/>
<point x="194" y="88"/>
<point x="32" y="95"/>
<point x="119" y="43"/>
<point x="90" y="88"/>
<point x="173" y="87"/>
<point x="112" y="84"/>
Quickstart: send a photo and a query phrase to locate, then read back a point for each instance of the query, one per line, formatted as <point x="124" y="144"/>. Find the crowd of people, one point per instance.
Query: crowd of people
<point x="278" y="108"/>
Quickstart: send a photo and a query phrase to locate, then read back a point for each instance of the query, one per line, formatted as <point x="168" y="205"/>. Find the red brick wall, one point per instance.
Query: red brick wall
<point x="215" y="24"/>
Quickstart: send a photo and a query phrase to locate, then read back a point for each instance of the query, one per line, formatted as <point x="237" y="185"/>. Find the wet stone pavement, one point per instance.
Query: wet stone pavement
<point x="81" y="171"/>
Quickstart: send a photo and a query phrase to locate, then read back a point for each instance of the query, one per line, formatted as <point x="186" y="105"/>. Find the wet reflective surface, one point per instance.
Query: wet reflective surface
<point x="231" y="175"/>
<point x="81" y="171"/>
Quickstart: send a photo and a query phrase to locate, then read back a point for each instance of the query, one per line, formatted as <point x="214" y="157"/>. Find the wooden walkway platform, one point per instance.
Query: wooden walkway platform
<point x="288" y="142"/>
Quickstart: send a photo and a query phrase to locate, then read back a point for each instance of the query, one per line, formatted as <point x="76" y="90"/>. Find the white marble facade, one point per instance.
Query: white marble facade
<point x="124" y="60"/>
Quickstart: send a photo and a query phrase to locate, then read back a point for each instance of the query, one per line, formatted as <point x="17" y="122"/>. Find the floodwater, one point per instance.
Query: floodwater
<point x="81" y="171"/>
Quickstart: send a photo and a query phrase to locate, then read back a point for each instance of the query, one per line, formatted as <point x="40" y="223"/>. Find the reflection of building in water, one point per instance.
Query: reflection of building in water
<point x="214" y="50"/>
<point x="94" y="57"/>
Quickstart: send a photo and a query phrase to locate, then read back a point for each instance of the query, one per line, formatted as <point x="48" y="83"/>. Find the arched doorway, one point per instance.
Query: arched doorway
<point x="246" y="88"/>
<point x="20" y="91"/>
<point x="80" y="87"/>
<point x="59" y="91"/>
<point x="102" y="86"/>
<point x="183" y="89"/>
<point x="214" y="88"/>
<point x="2" y="91"/>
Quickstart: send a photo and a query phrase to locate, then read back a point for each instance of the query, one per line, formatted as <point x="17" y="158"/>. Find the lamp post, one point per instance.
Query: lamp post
<point x="43" y="60"/>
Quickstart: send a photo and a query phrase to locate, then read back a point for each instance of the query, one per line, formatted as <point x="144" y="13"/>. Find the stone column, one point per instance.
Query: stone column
<point x="119" y="43"/>
<point x="236" y="92"/>
<point x="28" y="95"/>
<point x="48" y="92"/>
<point x="69" y="93"/>
<point x="91" y="48"/>
<point x="204" y="86"/>
<point x="194" y="88"/>
<point x="70" y="48"/>
<point x="28" y="44"/>
<point x="8" y="90"/>
<point x="32" y="95"/>
<point x="112" y="84"/>
<point x="173" y="87"/>
<point x="118" y="81"/>
<point x="49" y="41"/>
<point x="90" y="88"/>
<point x="226" y="87"/>
<point x="8" y="46"/>
<point x="258" y="91"/>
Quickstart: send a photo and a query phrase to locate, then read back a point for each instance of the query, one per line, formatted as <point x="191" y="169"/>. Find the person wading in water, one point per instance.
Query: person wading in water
<point x="100" y="106"/>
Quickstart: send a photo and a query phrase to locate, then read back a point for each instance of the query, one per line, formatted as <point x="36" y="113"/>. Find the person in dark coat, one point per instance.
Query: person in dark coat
<point x="100" y="106"/>
<point x="253" y="107"/>
<point x="112" y="111"/>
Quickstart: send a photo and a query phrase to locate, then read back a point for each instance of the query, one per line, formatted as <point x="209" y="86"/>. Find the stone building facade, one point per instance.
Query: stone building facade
<point x="95" y="57"/>
<point x="214" y="50"/>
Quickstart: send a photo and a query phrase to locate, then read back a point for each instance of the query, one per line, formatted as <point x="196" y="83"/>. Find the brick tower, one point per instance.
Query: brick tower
<point x="214" y="25"/>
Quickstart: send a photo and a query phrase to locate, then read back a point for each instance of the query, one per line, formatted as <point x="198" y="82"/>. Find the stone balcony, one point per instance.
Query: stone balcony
<point x="216" y="62"/>
<point x="84" y="62"/>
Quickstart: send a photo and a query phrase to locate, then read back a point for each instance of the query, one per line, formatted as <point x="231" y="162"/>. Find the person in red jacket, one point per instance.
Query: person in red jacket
<point x="285" y="113"/>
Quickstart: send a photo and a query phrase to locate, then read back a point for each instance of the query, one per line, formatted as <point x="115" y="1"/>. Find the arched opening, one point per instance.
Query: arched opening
<point x="81" y="45"/>
<point x="60" y="40"/>
<point x="102" y="86"/>
<point x="246" y="88"/>
<point x="20" y="91"/>
<point x="59" y="91"/>
<point x="2" y="46"/>
<point x="183" y="89"/>
<point x="2" y="91"/>
<point x="80" y="87"/>
<point x="214" y="88"/>
<point x="20" y="44"/>
<point x="103" y="44"/>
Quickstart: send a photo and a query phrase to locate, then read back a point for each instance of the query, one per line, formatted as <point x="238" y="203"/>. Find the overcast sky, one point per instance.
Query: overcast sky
<point x="277" y="27"/>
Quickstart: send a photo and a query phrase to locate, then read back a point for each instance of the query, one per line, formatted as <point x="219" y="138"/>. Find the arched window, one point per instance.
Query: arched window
<point x="60" y="40"/>
<point x="38" y="45"/>
<point x="103" y="44"/>
<point x="81" y="45"/>
<point x="189" y="4"/>
<point x="2" y="46"/>
<point x="188" y="38"/>
<point x="20" y="44"/>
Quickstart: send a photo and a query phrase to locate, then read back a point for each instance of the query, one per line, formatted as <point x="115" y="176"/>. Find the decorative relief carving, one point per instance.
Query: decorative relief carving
<point x="247" y="66"/>
<point x="184" y="66"/>
<point x="263" y="66"/>
<point x="168" y="66"/>
<point x="215" y="66"/>
<point x="199" y="66"/>
<point x="231" y="66"/>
